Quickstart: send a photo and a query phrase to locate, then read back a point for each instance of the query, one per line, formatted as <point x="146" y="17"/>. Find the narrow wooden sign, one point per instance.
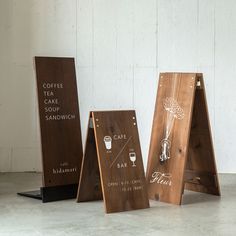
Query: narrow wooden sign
<point x="112" y="166"/>
<point x="181" y="151"/>
<point x="60" y="128"/>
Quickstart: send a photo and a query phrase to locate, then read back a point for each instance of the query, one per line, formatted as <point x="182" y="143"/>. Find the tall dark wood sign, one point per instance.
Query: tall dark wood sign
<point x="181" y="151"/>
<point x="112" y="166"/>
<point x="60" y="128"/>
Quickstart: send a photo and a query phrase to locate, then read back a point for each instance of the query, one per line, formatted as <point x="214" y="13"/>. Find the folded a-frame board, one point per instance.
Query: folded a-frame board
<point x="60" y="129"/>
<point x="181" y="151"/>
<point x="112" y="166"/>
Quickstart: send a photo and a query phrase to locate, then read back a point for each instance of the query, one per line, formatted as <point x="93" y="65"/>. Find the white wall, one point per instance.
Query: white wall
<point x="120" y="46"/>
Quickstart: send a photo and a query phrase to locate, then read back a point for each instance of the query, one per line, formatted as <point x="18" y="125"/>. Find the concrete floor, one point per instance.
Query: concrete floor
<point x="201" y="214"/>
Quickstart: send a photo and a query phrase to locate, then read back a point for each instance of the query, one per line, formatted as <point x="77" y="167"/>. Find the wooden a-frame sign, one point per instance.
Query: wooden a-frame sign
<point x="112" y="167"/>
<point x="61" y="143"/>
<point x="181" y="154"/>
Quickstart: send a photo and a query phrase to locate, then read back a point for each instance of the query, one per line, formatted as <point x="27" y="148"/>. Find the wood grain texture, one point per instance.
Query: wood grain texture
<point x="59" y="120"/>
<point x="90" y="184"/>
<point x="116" y="142"/>
<point x="123" y="185"/>
<point x="201" y="172"/>
<point x="166" y="181"/>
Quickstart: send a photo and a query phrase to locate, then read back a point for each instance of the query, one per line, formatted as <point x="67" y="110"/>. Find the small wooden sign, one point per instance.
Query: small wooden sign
<point x="181" y="151"/>
<point x="112" y="166"/>
<point x="60" y="128"/>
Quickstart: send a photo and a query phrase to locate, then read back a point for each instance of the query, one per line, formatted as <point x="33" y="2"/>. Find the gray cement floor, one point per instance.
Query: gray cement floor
<point x="201" y="214"/>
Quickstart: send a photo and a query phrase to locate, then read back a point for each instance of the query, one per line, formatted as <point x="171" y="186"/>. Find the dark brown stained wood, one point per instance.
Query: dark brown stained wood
<point x="90" y="184"/>
<point x="191" y="156"/>
<point x="122" y="180"/>
<point x="59" y="120"/>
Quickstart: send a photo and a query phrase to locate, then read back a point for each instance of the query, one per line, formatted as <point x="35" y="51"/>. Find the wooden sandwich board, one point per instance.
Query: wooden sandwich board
<point x="112" y="167"/>
<point x="181" y="154"/>
<point x="61" y="143"/>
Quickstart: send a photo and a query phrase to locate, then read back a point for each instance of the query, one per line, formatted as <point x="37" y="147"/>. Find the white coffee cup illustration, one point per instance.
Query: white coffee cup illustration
<point x="107" y="141"/>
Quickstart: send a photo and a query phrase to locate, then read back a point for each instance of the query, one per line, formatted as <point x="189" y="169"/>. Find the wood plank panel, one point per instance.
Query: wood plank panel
<point x="59" y="120"/>
<point x="201" y="157"/>
<point x="90" y="184"/>
<point x="181" y="148"/>
<point x="123" y="179"/>
<point x="113" y="145"/>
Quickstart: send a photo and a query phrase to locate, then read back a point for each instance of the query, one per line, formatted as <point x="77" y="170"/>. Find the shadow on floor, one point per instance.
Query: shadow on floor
<point x="194" y="198"/>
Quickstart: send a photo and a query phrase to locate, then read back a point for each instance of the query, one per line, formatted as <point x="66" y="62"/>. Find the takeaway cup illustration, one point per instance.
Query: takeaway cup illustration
<point x="108" y="141"/>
